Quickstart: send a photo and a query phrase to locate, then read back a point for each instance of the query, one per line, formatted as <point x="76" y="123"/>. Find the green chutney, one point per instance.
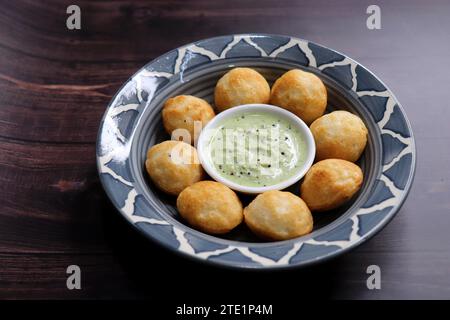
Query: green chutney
<point x="257" y="149"/>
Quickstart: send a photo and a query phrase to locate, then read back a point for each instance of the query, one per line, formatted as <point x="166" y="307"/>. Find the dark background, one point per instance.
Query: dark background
<point x="55" y="85"/>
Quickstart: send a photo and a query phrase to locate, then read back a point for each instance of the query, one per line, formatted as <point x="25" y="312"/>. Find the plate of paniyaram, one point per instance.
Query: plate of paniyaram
<point x="256" y="151"/>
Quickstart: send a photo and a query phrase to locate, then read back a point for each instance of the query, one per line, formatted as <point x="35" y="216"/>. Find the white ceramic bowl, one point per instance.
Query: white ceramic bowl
<point x="204" y="139"/>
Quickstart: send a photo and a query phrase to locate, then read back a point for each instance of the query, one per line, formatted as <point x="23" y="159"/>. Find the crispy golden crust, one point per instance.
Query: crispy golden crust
<point x="181" y="112"/>
<point x="330" y="183"/>
<point x="173" y="166"/>
<point x="241" y="86"/>
<point x="210" y="207"/>
<point x="302" y="93"/>
<point x="340" y="135"/>
<point x="278" y="215"/>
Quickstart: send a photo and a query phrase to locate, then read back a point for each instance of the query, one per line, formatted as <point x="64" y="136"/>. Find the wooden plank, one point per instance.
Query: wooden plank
<point x="55" y="85"/>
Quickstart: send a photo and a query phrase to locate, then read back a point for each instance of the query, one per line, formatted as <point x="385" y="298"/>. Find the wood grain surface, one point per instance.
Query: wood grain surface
<point x="54" y="87"/>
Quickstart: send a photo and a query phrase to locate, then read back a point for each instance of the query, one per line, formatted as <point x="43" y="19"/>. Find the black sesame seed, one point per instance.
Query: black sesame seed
<point x="248" y="173"/>
<point x="282" y="153"/>
<point x="269" y="165"/>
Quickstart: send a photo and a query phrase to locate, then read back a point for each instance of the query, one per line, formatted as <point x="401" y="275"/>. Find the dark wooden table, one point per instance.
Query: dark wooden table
<point x="55" y="85"/>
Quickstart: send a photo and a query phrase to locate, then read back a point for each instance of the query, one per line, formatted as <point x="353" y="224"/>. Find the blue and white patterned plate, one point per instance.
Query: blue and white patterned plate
<point x="132" y="123"/>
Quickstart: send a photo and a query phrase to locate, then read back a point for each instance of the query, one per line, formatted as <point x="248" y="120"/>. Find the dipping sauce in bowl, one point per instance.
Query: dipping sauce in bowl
<point x="256" y="148"/>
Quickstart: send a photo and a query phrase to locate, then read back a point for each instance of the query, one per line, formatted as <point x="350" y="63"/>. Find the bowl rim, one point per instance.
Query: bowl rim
<point x="180" y="250"/>
<point x="205" y="136"/>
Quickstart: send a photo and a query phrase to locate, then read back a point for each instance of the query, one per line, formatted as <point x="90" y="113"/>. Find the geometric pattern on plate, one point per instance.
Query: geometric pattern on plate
<point x="113" y="150"/>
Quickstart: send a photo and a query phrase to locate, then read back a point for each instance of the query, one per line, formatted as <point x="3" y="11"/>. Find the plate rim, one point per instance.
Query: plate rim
<point x="260" y="267"/>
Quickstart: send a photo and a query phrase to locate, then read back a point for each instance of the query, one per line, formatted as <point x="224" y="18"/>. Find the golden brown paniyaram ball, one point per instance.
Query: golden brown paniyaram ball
<point x="278" y="215"/>
<point x="339" y="134"/>
<point x="210" y="207"/>
<point x="241" y="86"/>
<point x="173" y="166"/>
<point x="300" y="92"/>
<point x="181" y="112"/>
<point x="330" y="183"/>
